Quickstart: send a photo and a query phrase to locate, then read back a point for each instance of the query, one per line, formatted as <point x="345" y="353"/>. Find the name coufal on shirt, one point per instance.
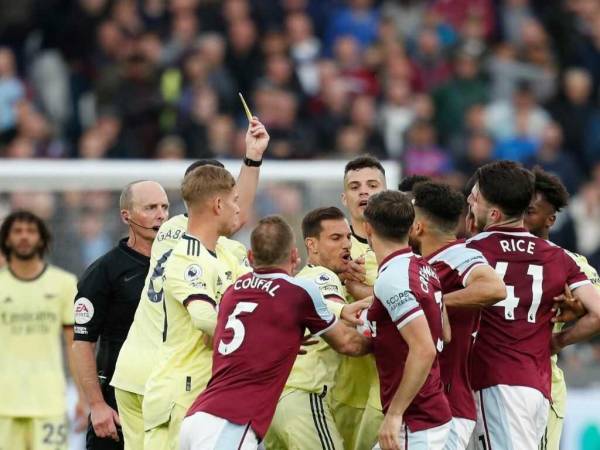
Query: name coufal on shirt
<point x="257" y="283"/>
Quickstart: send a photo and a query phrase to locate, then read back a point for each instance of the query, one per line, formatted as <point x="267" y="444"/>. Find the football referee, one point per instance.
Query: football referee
<point x="106" y="301"/>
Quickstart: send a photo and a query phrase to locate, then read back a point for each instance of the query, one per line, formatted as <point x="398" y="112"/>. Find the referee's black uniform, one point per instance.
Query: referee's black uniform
<point x="112" y="285"/>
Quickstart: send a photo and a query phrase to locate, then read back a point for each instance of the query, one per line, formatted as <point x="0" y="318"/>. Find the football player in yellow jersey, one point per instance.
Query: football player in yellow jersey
<point x="303" y="419"/>
<point x="550" y="197"/>
<point x="136" y="359"/>
<point x="36" y="310"/>
<point x="355" y="400"/>
<point x="193" y="282"/>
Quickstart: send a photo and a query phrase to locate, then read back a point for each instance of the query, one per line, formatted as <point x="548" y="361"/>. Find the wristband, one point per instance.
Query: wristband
<point x="252" y="163"/>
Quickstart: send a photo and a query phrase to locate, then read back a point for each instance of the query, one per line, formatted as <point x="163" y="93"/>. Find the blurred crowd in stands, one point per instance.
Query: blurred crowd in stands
<point x="441" y="86"/>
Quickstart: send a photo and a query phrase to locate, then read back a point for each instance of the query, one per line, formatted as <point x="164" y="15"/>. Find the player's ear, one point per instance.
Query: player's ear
<point x="311" y="245"/>
<point x="417" y="228"/>
<point x="495" y="215"/>
<point x="251" y="257"/>
<point x="217" y="204"/>
<point x="550" y="220"/>
<point x="295" y="259"/>
<point x="125" y="216"/>
<point x="343" y="198"/>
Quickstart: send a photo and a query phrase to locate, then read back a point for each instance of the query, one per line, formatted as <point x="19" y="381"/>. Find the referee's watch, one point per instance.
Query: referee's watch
<point x="252" y="163"/>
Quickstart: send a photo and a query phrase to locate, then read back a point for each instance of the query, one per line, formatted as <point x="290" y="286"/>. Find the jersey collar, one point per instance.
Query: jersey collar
<point x="405" y="252"/>
<point x="27" y="280"/>
<point x="505" y="229"/>
<point x="357" y="237"/>
<point x="269" y="270"/>
<point x="442" y="248"/>
<point x="142" y="259"/>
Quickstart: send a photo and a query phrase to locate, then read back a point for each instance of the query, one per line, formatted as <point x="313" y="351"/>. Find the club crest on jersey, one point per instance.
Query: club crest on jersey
<point x="323" y="278"/>
<point x="84" y="310"/>
<point x="192" y="273"/>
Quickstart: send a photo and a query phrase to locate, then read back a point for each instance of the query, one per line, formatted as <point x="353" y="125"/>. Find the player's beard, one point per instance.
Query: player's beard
<point x="28" y="255"/>
<point x="480" y="223"/>
<point x="414" y="244"/>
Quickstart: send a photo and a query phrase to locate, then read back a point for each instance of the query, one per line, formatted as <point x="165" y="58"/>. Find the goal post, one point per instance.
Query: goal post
<point x="80" y="199"/>
<point x="65" y="175"/>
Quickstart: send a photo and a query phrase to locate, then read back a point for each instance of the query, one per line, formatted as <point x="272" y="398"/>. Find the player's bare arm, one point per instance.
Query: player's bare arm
<point x="346" y="340"/>
<point x="104" y="418"/>
<point x="358" y="290"/>
<point x="587" y="326"/>
<point x="81" y="408"/>
<point x="421" y="355"/>
<point x="483" y="288"/>
<point x="446" y="326"/>
<point x="257" y="140"/>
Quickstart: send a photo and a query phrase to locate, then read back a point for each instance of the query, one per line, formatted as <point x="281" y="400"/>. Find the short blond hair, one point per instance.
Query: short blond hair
<point x="204" y="182"/>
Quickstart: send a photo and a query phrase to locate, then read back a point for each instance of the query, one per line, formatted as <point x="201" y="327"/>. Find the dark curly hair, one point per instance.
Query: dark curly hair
<point x="551" y="188"/>
<point x="24" y="216"/>
<point x="442" y="204"/>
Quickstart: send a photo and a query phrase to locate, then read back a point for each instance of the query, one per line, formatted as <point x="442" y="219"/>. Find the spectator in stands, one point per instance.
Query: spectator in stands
<point x="20" y="148"/>
<point x="360" y="19"/>
<point x="202" y="107"/>
<point x="509" y="66"/>
<point x="363" y="115"/>
<point x="305" y="49"/>
<point x="553" y="158"/>
<point x="171" y="147"/>
<point x="350" y="142"/>
<point x="422" y="155"/>
<point x="243" y="59"/>
<point x="457" y="12"/>
<point x="586" y="53"/>
<point x="95" y="240"/>
<point x="11" y="92"/>
<point x="92" y="145"/>
<point x="212" y="47"/>
<point x="517" y="117"/>
<point x="330" y="110"/>
<point x="453" y="99"/>
<point x="221" y="138"/>
<point x="479" y="151"/>
<point x="520" y="145"/>
<point x="407" y="16"/>
<point x="396" y="115"/>
<point x="349" y="59"/>
<point x="430" y="61"/>
<point x="575" y="111"/>
<point x="184" y="29"/>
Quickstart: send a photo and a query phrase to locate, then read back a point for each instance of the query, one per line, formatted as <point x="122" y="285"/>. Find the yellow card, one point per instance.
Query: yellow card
<point x="248" y="113"/>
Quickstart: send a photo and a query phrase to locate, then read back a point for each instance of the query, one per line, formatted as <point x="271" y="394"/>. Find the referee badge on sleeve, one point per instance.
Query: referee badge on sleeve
<point x="84" y="310"/>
